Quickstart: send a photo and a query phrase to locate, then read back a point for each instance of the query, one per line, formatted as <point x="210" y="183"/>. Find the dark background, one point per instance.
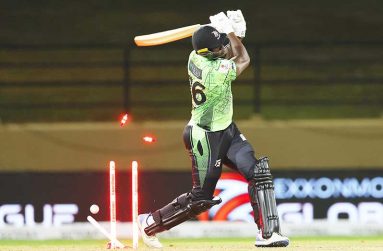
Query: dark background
<point x="76" y="61"/>
<point x="100" y="21"/>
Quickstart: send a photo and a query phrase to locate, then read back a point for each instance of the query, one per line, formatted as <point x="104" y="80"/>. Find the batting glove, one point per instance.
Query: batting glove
<point x="238" y="22"/>
<point x="222" y="23"/>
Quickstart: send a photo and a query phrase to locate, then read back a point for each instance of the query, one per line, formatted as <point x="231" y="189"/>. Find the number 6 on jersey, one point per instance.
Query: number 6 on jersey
<point x="198" y="95"/>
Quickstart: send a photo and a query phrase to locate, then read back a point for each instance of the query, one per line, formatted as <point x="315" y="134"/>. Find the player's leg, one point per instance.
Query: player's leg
<point x="241" y="158"/>
<point x="183" y="208"/>
<point x="260" y="188"/>
<point x="206" y="149"/>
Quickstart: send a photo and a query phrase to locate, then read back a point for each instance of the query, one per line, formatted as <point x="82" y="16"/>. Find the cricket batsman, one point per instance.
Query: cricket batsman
<point x="213" y="139"/>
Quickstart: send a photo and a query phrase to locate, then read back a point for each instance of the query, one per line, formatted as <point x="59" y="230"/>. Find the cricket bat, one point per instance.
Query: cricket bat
<point x="164" y="37"/>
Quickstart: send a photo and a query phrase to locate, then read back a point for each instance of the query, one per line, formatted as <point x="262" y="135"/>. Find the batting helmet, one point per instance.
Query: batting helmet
<point x="207" y="38"/>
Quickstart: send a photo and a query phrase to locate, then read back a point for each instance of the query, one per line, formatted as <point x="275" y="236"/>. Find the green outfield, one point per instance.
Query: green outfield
<point x="212" y="244"/>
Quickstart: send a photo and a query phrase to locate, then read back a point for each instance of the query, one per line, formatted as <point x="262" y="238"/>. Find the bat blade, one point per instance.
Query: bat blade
<point x="166" y="36"/>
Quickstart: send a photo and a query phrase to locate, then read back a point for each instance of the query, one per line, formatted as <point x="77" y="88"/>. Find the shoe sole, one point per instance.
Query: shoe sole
<point x="274" y="244"/>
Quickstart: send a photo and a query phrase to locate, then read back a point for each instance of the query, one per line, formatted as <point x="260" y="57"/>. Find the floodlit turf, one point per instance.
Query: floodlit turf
<point x="211" y="244"/>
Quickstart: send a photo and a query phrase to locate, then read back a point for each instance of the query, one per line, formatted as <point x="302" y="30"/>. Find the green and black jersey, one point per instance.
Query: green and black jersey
<point x="210" y="86"/>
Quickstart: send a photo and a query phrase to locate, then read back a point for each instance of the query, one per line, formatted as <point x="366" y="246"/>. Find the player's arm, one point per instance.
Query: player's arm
<point x="240" y="55"/>
<point x="234" y="26"/>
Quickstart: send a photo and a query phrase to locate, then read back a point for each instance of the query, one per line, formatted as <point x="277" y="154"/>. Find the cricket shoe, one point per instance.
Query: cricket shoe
<point x="276" y="240"/>
<point x="150" y="241"/>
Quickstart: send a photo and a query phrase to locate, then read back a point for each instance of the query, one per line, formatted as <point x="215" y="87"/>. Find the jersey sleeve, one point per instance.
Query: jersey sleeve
<point x="225" y="70"/>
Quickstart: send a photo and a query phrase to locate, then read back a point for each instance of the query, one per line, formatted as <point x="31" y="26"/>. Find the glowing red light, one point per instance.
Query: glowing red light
<point x="124" y="120"/>
<point x="149" y="139"/>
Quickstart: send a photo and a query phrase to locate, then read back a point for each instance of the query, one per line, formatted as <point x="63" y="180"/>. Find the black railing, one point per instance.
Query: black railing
<point x="112" y="78"/>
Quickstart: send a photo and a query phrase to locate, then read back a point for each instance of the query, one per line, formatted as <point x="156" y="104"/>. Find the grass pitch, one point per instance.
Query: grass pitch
<point x="211" y="244"/>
